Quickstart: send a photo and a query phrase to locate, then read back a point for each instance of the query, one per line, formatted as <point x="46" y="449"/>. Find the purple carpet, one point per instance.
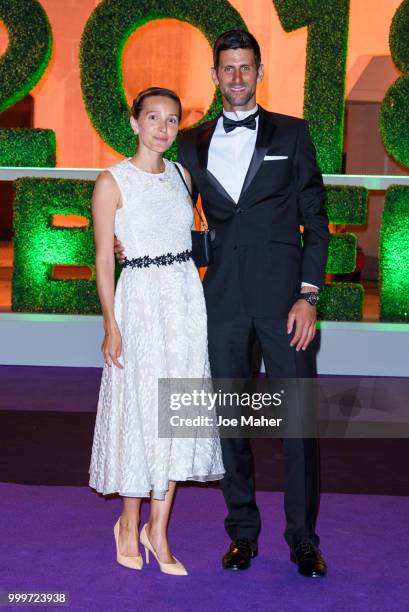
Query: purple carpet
<point x="60" y="538"/>
<point x="49" y="388"/>
<point x="47" y="415"/>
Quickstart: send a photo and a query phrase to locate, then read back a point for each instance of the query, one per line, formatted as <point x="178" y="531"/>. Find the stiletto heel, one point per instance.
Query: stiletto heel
<point x="175" y="569"/>
<point x="131" y="562"/>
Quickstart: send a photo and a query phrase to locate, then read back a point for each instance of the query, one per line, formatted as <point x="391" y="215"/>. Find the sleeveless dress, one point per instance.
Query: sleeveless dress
<point x="161" y="313"/>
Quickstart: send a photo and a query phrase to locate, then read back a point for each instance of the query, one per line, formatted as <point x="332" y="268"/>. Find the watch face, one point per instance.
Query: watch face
<point x="313" y="298"/>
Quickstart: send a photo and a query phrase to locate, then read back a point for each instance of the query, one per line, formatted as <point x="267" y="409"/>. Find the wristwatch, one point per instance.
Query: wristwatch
<point x="312" y="297"/>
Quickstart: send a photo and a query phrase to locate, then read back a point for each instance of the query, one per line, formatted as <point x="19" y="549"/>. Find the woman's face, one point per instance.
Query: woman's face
<point x="158" y="123"/>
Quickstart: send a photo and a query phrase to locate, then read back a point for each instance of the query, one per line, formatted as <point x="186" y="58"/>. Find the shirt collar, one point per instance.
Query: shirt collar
<point x="239" y="115"/>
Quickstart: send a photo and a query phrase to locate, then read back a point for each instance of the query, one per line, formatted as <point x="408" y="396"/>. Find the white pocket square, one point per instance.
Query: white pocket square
<point x="275" y="157"/>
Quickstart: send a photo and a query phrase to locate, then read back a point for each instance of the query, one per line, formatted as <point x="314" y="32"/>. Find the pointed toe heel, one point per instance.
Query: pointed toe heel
<point x="135" y="563"/>
<point x="173" y="569"/>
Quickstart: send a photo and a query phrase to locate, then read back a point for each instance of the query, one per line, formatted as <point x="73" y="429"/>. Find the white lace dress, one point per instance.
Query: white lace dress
<point x="161" y="313"/>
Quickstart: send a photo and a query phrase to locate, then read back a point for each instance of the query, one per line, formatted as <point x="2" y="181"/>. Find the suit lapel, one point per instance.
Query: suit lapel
<point x="265" y="132"/>
<point x="203" y="143"/>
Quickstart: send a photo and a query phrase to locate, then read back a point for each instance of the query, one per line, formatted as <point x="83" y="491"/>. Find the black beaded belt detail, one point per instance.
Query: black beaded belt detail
<point x="160" y="260"/>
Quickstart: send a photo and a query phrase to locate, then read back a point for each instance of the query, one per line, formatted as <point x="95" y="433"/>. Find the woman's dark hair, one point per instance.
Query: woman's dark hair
<point x="137" y="104"/>
<point x="236" y="39"/>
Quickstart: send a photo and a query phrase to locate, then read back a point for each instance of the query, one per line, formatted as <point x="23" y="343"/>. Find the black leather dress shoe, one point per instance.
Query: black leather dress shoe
<point x="239" y="555"/>
<point x="309" y="560"/>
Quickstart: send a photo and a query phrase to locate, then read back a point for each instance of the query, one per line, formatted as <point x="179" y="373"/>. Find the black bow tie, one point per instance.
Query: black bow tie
<point x="249" y="122"/>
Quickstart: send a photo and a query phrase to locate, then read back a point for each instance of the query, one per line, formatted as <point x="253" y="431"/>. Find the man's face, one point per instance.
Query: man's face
<point x="237" y="77"/>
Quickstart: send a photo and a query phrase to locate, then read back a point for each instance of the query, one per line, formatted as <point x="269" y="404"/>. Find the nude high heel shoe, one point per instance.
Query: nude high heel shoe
<point x="131" y="562"/>
<point x="175" y="569"/>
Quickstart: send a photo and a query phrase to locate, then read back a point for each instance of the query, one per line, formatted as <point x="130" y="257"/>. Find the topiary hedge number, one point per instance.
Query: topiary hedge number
<point x="324" y="88"/>
<point x="394" y="119"/>
<point x="21" y="67"/>
<point x="343" y="301"/>
<point x="103" y="40"/>
<point x="394" y="255"/>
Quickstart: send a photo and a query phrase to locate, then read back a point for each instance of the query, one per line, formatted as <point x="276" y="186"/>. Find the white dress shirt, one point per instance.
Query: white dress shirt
<point x="230" y="154"/>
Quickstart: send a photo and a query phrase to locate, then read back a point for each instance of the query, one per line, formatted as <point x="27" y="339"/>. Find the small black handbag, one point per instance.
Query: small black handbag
<point x="202" y="249"/>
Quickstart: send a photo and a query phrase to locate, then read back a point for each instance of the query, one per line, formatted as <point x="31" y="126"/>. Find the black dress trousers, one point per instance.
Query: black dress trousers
<point x="232" y="334"/>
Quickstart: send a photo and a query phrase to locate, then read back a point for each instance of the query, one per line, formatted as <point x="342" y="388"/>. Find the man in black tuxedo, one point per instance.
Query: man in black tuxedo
<point x="257" y="176"/>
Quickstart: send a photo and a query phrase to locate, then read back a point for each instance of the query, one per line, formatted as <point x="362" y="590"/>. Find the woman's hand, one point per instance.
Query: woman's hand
<point x="119" y="251"/>
<point x="112" y="347"/>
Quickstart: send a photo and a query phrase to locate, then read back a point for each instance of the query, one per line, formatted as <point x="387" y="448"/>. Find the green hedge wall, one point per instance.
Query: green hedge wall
<point x="28" y="52"/>
<point x="341" y="254"/>
<point x="103" y="40"/>
<point x="394" y="255"/>
<point x="38" y="245"/>
<point x="324" y="88"/>
<point x="346" y="205"/>
<point x="394" y="116"/>
<point x="341" y="302"/>
<point x="27" y="147"/>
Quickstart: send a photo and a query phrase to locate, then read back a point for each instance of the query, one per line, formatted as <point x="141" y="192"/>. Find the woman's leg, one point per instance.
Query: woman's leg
<point x="128" y="527"/>
<point x="158" y="524"/>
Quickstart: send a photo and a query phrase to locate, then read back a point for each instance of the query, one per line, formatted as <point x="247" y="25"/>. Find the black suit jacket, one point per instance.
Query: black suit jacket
<point x="259" y="256"/>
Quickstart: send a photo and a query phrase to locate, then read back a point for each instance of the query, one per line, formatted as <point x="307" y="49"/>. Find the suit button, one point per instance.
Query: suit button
<point x="238" y="210"/>
<point x="235" y="247"/>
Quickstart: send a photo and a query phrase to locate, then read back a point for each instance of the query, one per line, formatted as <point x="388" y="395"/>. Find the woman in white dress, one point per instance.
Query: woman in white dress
<point x="155" y="327"/>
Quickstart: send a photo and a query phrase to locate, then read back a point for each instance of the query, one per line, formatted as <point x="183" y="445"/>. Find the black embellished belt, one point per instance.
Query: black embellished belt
<point x="160" y="260"/>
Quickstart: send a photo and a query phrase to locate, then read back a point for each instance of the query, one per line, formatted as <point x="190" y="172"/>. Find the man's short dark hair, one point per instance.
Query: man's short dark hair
<point x="236" y="39"/>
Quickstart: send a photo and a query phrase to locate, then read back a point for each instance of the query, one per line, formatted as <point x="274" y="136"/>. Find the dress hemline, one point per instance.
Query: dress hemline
<point x="160" y="495"/>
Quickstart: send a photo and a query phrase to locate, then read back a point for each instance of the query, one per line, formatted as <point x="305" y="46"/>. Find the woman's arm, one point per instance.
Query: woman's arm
<point x="105" y="201"/>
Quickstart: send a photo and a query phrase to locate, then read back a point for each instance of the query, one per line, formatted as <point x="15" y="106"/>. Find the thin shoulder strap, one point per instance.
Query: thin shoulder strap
<point x="183" y="179"/>
<point x="188" y="190"/>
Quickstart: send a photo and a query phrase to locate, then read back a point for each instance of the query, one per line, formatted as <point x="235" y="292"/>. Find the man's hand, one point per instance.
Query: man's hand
<point x="119" y="251"/>
<point x="304" y="316"/>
